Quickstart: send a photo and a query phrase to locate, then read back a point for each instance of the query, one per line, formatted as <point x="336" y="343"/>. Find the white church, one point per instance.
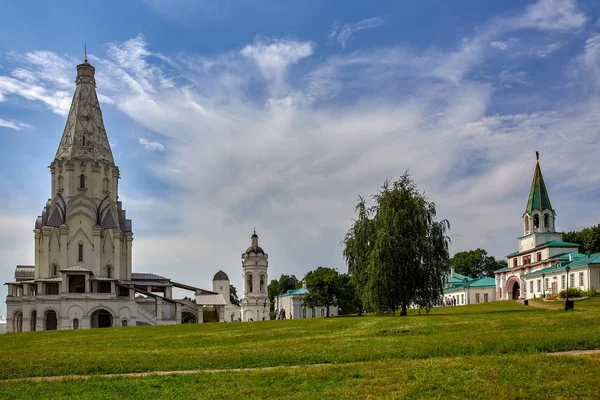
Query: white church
<point x="543" y="264"/>
<point x="82" y="275"/>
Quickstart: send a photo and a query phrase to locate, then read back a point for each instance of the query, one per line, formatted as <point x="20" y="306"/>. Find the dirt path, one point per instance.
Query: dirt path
<point x="216" y="371"/>
<point x="574" y="352"/>
<point x="142" y="374"/>
<point x="538" y="305"/>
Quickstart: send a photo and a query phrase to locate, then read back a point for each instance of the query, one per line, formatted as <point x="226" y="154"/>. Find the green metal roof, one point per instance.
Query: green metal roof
<point x="554" y="243"/>
<point x="580" y="260"/>
<point x="484" y="282"/>
<point x="295" y="292"/>
<point x="538" y="195"/>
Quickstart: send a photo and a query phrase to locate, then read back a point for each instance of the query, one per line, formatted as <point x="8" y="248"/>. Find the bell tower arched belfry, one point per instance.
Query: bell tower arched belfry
<point x="255" y="300"/>
<point x="539" y="217"/>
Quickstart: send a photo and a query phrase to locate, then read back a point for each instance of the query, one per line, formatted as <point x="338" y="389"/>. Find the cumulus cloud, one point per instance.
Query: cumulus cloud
<point x="343" y="33"/>
<point x="274" y="56"/>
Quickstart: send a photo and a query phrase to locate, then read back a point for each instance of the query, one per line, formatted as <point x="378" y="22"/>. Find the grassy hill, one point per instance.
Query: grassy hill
<point x="493" y="350"/>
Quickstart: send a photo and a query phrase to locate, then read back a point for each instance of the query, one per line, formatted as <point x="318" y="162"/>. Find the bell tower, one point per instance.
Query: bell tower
<point x="255" y="300"/>
<point x="539" y="216"/>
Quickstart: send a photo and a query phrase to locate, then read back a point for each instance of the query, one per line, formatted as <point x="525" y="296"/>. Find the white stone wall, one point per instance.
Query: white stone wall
<point x="294" y="308"/>
<point x="466" y="296"/>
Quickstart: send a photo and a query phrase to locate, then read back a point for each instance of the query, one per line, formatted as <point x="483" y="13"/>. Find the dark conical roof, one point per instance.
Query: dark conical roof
<point x="221" y="276"/>
<point x="84" y="136"/>
<point x="538" y="194"/>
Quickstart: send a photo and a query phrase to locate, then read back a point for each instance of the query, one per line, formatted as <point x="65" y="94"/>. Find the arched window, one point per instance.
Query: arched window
<point x="82" y="181"/>
<point x="75" y="323"/>
<point x="108" y="271"/>
<point x="83" y="140"/>
<point x="527" y="223"/>
<point x="80" y="253"/>
<point x="546" y="221"/>
<point x="124" y="323"/>
<point x="249" y="283"/>
<point x="262" y="283"/>
<point x="322" y="312"/>
<point x="536" y="221"/>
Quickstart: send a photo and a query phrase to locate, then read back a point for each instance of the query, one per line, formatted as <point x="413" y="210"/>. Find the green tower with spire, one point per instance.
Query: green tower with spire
<point x="539" y="216"/>
<point x="538" y="194"/>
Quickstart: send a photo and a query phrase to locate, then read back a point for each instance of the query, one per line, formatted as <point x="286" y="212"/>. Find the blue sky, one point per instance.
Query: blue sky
<point x="225" y="115"/>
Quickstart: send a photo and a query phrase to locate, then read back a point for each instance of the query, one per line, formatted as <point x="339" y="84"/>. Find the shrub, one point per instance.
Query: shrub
<point x="573" y="292"/>
<point x="590" y="292"/>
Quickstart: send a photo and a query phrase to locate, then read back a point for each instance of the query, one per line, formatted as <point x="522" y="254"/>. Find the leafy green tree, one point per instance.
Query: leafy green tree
<point x="396" y="250"/>
<point x="281" y="286"/>
<point x="323" y="288"/>
<point x="587" y="238"/>
<point x="475" y="262"/>
<point x="233" y="296"/>
<point x="347" y="298"/>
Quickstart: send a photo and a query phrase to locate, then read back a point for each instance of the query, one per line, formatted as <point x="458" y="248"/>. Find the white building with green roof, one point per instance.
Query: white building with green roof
<point x="460" y="289"/>
<point x="292" y="305"/>
<point x="539" y="267"/>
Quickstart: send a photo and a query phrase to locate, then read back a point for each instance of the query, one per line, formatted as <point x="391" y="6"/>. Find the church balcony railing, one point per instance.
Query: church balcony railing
<point x="101" y="295"/>
<point x="48" y="297"/>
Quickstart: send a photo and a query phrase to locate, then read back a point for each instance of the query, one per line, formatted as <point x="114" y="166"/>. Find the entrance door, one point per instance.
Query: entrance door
<point x="554" y="287"/>
<point x="51" y="321"/>
<point x="516" y="291"/>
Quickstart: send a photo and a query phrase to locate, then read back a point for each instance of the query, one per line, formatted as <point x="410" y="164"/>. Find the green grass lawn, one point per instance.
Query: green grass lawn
<point x="592" y="303"/>
<point x="492" y="350"/>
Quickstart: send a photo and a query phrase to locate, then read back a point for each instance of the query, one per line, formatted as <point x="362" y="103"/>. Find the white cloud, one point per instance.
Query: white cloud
<point x="551" y="15"/>
<point x="549" y="49"/>
<point x="500" y="45"/>
<point x="57" y="100"/>
<point x="274" y="56"/>
<point x="151" y="146"/>
<point x="16" y="125"/>
<point x="343" y="33"/>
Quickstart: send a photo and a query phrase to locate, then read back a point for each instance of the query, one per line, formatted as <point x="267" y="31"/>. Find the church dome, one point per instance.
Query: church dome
<point x="255" y="249"/>
<point x="221" y="276"/>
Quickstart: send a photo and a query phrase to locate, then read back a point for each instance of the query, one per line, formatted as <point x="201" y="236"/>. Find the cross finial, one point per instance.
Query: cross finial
<point x="537" y="155"/>
<point x="255" y="230"/>
<point x="85" y="60"/>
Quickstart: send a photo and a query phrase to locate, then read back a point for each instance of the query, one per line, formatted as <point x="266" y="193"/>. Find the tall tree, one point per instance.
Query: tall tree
<point x="587" y="238"/>
<point x="281" y="285"/>
<point x="473" y="263"/>
<point x="233" y="296"/>
<point x="396" y="250"/>
<point x="322" y="285"/>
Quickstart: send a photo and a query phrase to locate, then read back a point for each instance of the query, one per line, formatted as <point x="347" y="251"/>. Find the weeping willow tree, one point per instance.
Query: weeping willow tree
<point x="397" y="250"/>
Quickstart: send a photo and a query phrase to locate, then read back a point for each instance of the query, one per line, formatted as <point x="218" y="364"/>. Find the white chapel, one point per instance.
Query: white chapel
<point x="82" y="274"/>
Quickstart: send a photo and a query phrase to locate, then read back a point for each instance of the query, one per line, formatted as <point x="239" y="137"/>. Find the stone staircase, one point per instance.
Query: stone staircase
<point x="145" y="317"/>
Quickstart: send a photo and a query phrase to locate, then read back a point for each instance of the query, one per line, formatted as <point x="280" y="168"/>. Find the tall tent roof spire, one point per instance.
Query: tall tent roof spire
<point x="538" y="194"/>
<point x="84" y="137"/>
